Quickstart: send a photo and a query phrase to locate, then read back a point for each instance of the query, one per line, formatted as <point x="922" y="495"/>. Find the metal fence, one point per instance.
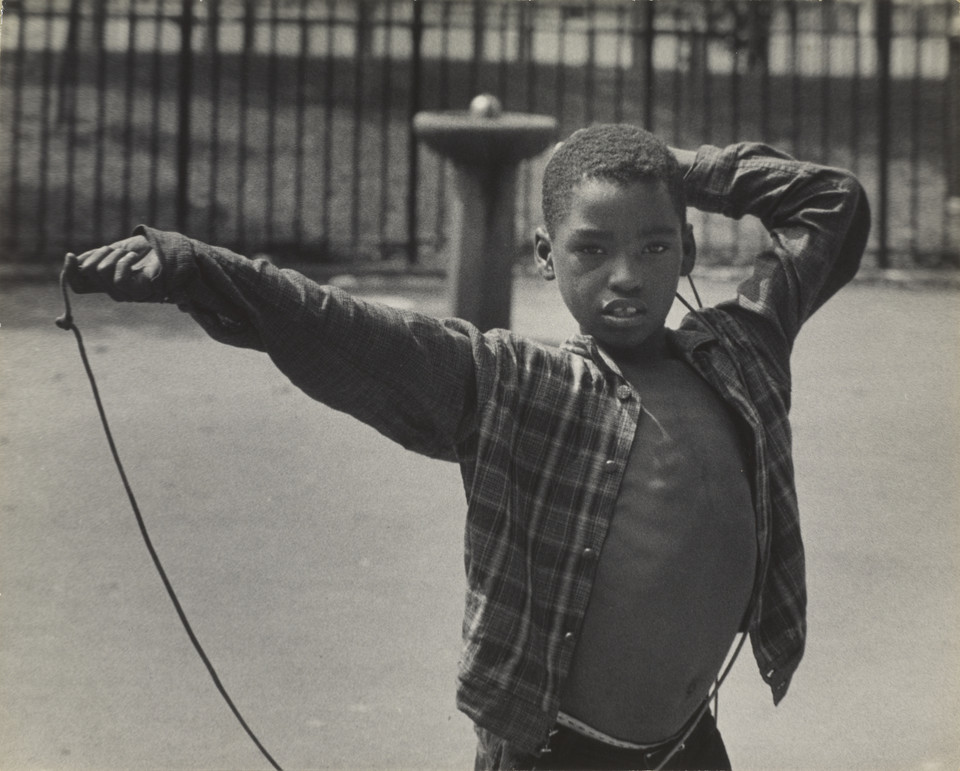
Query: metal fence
<point x="284" y="126"/>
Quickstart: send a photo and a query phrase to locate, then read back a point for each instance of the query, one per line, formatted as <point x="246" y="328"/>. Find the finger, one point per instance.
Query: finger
<point x="124" y="265"/>
<point x="149" y="266"/>
<point x="77" y="280"/>
<point x="128" y="284"/>
<point x="137" y="244"/>
<point x="70" y="266"/>
<point x="124" y="268"/>
<point x="93" y="256"/>
<point x="106" y="268"/>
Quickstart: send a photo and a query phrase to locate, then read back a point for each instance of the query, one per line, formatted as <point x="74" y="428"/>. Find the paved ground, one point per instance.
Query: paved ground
<point x="321" y="566"/>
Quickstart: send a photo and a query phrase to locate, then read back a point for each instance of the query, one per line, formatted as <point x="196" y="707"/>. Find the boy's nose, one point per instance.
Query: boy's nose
<point x="626" y="274"/>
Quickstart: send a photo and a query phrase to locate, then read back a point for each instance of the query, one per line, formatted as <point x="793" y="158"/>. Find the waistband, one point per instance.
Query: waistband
<point x="578" y="726"/>
<point x="590" y="732"/>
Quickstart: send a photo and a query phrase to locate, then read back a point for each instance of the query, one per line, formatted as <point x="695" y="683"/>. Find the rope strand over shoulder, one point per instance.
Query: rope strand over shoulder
<point x="66" y="322"/>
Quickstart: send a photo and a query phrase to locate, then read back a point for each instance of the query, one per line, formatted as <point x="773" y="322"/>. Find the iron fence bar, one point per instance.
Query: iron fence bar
<point x="618" y="76"/>
<point x="478" y="45"/>
<point x="525" y="60"/>
<point x="328" y="84"/>
<point x="735" y="225"/>
<point x="883" y="34"/>
<point x="156" y="87"/>
<point x="444" y="73"/>
<point x="856" y="87"/>
<point x="359" y="56"/>
<point x="444" y="103"/>
<point x="271" y="144"/>
<point x="70" y="81"/>
<point x="914" y="136"/>
<point x="128" y="94"/>
<point x="649" y="74"/>
<point x="707" y="38"/>
<point x="185" y="97"/>
<point x="386" y="90"/>
<point x="100" y="22"/>
<point x="502" y="64"/>
<point x="591" y="73"/>
<point x="67" y="110"/>
<point x="735" y="96"/>
<point x="794" y="80"/>
<point x="242" y="118"/>
<point x="45" y="122"/>
<point x="677" y="90"/>
<point x="213" y="183"/>
<point x="636" y="40"/>
<point x="413" y="150"/>
<point x="951" y="141"/>
<point x="707" y="113"/>
<point x="527" y="54"/>
<point x="16" y="129"/>
<point x="827" y="30"/>
<point x="561" y="67"/>
<point x="764" y="77"/>
<point x="299" y="122"/>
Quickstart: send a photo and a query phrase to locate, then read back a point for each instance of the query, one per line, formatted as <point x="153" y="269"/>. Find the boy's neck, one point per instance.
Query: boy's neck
<point x="650" y="352"/>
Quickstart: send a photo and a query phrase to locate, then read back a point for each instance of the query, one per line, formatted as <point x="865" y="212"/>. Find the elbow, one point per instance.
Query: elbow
<point x="858" y="230"/>
<point x="853" y="206"/>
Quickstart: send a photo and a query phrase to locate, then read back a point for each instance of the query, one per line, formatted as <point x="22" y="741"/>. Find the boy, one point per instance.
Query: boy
<point x="631" y="504"/>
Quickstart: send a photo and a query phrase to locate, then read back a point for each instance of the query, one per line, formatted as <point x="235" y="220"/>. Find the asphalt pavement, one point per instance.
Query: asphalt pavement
<point x="321" y="566"/>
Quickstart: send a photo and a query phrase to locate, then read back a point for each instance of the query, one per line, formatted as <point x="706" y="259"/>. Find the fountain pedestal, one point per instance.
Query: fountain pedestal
<point x="485" y="146"/>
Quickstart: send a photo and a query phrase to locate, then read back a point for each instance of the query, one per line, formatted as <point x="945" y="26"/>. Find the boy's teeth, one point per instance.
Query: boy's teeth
<point x="623" y="312"/>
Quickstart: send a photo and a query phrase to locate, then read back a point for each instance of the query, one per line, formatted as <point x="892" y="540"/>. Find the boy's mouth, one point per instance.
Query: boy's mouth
<point x="623" y="311"/>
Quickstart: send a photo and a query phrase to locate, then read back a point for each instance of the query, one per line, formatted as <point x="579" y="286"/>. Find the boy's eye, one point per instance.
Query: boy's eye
<point x="656" y="248"/>
<point x="589" y="249"/>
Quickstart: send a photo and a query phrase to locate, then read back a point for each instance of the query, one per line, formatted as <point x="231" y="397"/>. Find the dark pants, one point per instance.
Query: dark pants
<point x="702" y="750"/>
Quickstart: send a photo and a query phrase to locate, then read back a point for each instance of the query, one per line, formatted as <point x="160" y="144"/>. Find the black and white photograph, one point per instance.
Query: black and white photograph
<point x="479" y="384"/>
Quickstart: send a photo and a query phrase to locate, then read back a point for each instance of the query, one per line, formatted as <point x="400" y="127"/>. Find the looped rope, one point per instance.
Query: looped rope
<point x="66" y="322"/>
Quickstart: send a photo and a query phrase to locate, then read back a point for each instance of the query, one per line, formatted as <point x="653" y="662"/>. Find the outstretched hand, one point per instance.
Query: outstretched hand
<point x="127" y="270"/>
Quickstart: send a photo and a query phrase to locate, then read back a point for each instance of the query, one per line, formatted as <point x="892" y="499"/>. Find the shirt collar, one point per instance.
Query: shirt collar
<point x="690" y="336"/>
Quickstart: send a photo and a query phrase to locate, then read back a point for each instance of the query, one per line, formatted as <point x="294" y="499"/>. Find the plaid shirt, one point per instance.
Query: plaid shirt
<point x="542" y="434"/>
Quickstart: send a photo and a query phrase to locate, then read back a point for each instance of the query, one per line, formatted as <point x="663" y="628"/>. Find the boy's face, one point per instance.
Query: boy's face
<point x="617" y="257"/>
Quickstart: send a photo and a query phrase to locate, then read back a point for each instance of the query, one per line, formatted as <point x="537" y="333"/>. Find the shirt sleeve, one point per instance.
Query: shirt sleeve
<point x="410" y="376"/>
<point x="818" y="218"/>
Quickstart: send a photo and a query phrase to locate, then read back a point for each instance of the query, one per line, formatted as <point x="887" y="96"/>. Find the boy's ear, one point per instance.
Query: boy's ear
<point x="689" y="250"/>
<point x="543" y="253"/>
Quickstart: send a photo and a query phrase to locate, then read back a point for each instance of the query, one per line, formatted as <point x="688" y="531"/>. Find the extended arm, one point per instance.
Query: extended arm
<point x="412" y="377"/>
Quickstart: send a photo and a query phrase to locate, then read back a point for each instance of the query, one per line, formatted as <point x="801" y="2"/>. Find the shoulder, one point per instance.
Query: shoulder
<point x="739" y="336"/>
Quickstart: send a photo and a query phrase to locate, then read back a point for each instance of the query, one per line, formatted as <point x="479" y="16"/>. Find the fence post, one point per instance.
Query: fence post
<point x="953" y="143"/>
<point x="183" y="122"/>
<point x="883" y="31"/>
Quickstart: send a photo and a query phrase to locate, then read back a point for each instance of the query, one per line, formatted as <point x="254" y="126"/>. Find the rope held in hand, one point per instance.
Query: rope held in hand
<point x="66" y="322"/>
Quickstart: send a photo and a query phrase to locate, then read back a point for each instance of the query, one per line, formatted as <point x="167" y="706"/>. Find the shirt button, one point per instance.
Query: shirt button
<point x="609" y="465"/>
<point x="589" y="552"/>
<point x="568" y="637"/>
<point x="624" y="392"/>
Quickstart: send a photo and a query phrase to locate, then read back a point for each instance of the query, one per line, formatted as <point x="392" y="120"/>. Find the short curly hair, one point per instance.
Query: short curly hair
<point x="620" y="153"/>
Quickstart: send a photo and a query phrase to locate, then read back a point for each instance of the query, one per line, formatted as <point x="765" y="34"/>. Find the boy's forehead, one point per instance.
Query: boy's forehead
<point x="648" y="197"/>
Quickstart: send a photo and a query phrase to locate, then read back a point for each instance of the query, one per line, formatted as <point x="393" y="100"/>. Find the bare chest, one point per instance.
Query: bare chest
<point x="677" y="567"/>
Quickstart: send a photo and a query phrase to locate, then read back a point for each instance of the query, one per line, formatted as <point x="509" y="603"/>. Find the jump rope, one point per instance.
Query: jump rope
<point x="66" y="322"/>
